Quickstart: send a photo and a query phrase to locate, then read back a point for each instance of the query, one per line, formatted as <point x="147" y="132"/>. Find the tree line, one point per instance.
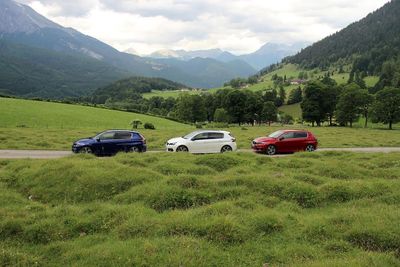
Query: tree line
<point x="325" y="101"/>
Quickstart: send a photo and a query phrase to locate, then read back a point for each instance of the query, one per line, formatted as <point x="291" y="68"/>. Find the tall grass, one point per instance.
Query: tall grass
<point x="326" y="209"/>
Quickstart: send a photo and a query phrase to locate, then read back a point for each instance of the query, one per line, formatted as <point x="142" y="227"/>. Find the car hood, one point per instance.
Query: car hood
<point x="264" y="140"/>
<point x="175" y="140"/>
<point x="85" y="141"/>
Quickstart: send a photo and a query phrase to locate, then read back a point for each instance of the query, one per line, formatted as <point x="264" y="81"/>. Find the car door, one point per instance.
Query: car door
<point x="198" y="143"/>
<point x="300" y="140"/>
<point x="286" y="142"/>
<point x="122" y="141"/>
<point x="213" y="144"/>
<point x="104" y="144"/>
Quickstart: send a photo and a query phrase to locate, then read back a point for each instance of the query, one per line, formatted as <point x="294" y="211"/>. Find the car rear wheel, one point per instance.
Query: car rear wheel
<point x="271" y="150"/>
<point x="182" y="149"/>
<point x="310" y="148"/>
<point x="86" y="150"/>
<point x="226" y="149"/>
<point x="133" y="149"/>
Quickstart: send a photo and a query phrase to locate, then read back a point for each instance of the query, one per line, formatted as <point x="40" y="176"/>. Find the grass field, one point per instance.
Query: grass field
<point x="292" y="110"/>
<point x="30" y="125"/>
<point x="317" y="209"/>
<point x="36" y="114"/>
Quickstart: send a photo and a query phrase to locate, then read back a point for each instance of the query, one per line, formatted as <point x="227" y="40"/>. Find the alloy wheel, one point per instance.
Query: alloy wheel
<point x="86" y="150"/>
<point x="271" y="150"/>
<point x="310" y="148"/>
<point x="182" y="149"/>
<point x="226" y="149"/>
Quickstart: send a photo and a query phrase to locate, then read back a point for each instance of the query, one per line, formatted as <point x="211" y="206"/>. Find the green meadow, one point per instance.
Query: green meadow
<point x="238" y="209"/>
<point x="26" y="124"/>
<point x="291" y="71"/>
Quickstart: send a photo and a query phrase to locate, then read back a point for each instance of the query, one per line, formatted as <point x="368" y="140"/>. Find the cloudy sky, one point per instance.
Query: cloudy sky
<point x="238" y="26"/>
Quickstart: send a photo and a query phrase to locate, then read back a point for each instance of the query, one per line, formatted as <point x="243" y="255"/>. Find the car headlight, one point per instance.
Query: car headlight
<point x="171" y="144"/>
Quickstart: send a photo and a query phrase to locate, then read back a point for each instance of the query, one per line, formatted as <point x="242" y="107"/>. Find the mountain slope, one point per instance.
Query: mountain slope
<point x="209" y="72"/>
<point x="375" y="38"/>
<point x="35" y="72"/>
<point x="132" y="88"/>
<point x="270" y="53"/>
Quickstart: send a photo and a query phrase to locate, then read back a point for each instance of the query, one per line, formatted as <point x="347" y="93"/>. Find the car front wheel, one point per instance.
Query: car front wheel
<point x="86" y="150"/>
<point x="182" y="149"/>
<point x="226" y="149"/>
<point x="310" y="148"/>
<point x="271" y="150"/>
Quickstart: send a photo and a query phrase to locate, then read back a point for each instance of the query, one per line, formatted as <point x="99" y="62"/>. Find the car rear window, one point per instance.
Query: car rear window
<point x="300" y="135"/>
<point x="122" y="135"/>
<point x="136" y="136"/>
<point x="215" y="135"/>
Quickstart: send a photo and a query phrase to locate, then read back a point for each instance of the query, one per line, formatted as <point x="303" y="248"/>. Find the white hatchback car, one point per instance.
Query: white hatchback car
<point x="203" y="142"/>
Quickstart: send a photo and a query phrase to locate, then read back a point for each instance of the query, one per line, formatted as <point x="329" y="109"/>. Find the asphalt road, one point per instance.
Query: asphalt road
<point x="51" y="154"/>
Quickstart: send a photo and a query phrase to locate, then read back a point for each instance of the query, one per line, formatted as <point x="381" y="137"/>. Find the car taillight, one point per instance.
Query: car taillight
<point x="143" y="139"/>
<point x="233" y="139"/>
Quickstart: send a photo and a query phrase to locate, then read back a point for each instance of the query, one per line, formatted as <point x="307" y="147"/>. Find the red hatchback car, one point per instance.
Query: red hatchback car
<point x="285" y="141"/>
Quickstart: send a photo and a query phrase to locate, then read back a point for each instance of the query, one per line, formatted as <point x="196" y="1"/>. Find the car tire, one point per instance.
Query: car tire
<point x="182" y="149"/>
<point x="310" y="148"/>
<point x="133" y="149"/>
<point x="226" y="149"/>
<point x="86" y="150"/>
<point x="271" y="150"/>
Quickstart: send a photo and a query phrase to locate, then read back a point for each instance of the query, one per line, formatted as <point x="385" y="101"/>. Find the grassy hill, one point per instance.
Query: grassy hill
<point x="28" y="124"/>
<point x="325" y="209"/>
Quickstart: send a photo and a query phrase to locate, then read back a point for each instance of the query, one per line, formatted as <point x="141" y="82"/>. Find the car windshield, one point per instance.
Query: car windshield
<point x="189" y="136"/>
<point x="275" y="134"/>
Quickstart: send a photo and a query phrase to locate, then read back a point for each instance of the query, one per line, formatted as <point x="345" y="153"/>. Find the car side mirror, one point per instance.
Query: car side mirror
<point x="193" y="139"/>
<point x="281" y="138"/>
<point x="98" y="139"/>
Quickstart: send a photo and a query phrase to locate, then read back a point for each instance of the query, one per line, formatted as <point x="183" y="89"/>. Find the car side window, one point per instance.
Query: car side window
<point x="300" y="135"/>
<point x="122" y="136"/>
<point x="201" y="136"/>
<point x="288" y="135"/>
<point x="215" y="135"/>
<point x="107" y="136"/>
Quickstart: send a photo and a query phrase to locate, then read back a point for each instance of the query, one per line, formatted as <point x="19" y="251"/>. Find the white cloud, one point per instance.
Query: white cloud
<point x="239" y="26"/>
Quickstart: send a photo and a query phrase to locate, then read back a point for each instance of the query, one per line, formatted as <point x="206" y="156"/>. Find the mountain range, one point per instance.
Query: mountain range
<point x="40" y="58"/>
<point x="269" y="53"/>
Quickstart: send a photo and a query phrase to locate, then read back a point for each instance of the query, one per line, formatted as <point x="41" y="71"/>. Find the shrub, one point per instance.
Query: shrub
<point x="149" y="126"/>
<point x="135" y="123"/>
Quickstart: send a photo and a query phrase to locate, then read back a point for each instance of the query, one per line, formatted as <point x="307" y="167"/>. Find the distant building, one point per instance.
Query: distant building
<point x="297" y="81"/>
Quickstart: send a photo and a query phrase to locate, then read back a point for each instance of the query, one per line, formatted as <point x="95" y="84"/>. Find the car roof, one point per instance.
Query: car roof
<point x="210" y="131"/>
<point x="117" y="130"/>
<point x="294" y="131"/>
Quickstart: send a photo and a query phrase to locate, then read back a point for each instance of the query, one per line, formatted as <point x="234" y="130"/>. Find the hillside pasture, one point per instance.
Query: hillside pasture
<point x="26" y="124"/>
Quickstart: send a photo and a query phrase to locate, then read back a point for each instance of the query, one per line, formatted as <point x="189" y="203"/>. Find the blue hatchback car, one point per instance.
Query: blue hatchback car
<point x="111" y="142"/>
